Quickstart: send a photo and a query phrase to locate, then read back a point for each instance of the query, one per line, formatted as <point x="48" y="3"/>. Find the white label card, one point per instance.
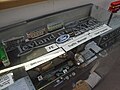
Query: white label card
<point x="40" y="60"/>
<point x="51" y="47"/>
<point x="75" y="42"/>
<point x="100" y="30"/>
<point x="6" y="80"/>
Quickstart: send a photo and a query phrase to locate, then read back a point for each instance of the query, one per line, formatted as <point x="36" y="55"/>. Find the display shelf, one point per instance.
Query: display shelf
<point x="35" y="58"/>
<point x="47" y="57"/>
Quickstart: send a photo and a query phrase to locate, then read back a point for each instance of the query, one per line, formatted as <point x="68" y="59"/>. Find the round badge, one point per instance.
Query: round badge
<point x="62" y="38"/>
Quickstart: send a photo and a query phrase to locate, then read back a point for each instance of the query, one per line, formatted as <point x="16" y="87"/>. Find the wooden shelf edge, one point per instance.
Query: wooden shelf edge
<point x="15" y="3"/>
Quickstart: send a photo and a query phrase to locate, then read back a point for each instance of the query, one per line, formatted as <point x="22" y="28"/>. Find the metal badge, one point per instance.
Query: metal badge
<point x="36" y="33"/>
<point x="79" y="59"/>
<point x="55" y="26"/>
<point x="62" y="38"/>
<point x="40" y="78"/>
<point x="27" y="47"/>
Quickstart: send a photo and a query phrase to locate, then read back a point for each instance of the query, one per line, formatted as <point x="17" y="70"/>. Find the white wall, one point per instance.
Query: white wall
<point x="21" y="13"/>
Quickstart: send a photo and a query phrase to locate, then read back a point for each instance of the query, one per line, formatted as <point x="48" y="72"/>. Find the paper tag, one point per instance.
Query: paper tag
<point x="6" y="80"/>
<point x="43" y="59"/>
<point x="99" y="30"/>
<point x="51" y="47"/>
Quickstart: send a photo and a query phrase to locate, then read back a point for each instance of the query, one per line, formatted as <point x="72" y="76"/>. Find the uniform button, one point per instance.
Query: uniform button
<point x="58" y="81"/>
<point x="73" y="73"/>
<point x="67" y="78"/>
<point x="61" y="78"/>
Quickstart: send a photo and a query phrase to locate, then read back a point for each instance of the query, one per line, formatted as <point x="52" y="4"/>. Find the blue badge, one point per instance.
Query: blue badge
<point x="62" y="38"/>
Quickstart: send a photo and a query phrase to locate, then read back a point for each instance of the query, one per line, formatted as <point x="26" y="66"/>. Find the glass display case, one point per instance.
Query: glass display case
<point x="57" y="46"/>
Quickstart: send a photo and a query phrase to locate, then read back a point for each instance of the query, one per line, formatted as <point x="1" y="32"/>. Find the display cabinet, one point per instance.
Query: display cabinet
<point x="55" y="50"/>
